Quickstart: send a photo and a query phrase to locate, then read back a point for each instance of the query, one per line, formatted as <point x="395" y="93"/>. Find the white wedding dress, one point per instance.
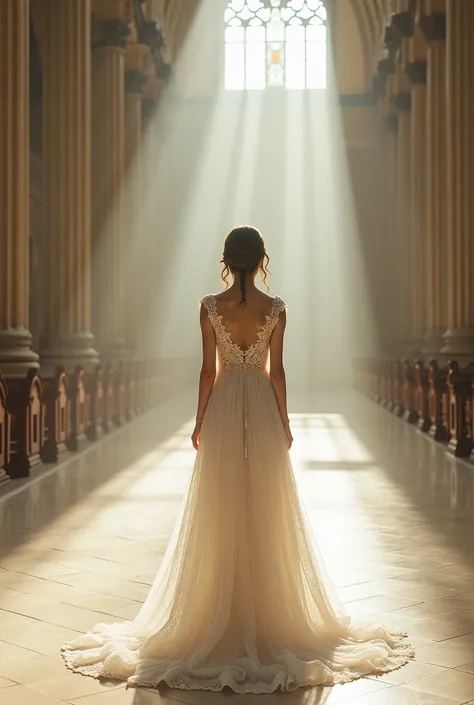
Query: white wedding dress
<point x="241" y="598"/>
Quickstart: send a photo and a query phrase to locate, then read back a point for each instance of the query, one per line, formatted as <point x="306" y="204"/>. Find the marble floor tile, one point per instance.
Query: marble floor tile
<point x="22" y="695"/>
<point x="82" y="545"/>
<point x="9" y="653"/>
<point x="125" y="696"/>
<point x="33" y="669"/>
<point x="70" y="686"/>
<point x="402" y="695"/>
<point x="5" y="683"/>
<point x="411" y="672"/>
<point x="453" y="684"/>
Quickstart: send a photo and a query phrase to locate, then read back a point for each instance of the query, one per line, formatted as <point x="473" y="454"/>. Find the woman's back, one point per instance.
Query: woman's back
<point x="243" y="333"/>
<point x="244" y="322"/>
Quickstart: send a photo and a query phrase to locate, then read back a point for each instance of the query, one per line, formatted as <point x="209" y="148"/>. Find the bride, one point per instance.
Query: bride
<point x="241" y="598"/>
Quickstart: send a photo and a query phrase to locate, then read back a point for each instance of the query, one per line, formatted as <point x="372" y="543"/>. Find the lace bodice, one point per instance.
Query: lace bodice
<point x="230" y="355"/>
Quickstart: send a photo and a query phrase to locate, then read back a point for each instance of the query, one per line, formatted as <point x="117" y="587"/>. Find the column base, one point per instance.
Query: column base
<point x="113" y="351"/>
<point x="413" y="347"/>
<point x="70" y="351"/>
<point x="417" y="345"/>
<point x="433" y="342"/>
<point x="458" y="342"/>
<point x="16" y="355"/>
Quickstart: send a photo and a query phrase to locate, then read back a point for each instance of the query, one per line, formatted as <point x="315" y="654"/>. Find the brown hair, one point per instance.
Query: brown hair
<point x="244" y="253"/>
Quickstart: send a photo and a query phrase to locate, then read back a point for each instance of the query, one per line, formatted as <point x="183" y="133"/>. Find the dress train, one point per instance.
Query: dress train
<point x="241" y="598"/>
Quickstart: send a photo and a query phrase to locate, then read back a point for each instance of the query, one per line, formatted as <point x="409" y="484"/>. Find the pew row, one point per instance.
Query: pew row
<point x="46" y="417"/>
<point x="437" y="399"/>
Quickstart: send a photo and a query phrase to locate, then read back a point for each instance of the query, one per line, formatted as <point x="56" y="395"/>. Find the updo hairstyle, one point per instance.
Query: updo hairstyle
<point x="244" y="253"/>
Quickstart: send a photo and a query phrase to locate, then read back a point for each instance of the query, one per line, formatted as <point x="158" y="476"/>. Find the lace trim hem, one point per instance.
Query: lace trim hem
<point x="284" y="680"/>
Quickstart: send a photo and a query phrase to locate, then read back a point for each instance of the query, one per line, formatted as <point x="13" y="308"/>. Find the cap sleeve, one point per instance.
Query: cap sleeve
<point x="279" y="305"/>
<point x="204" y="301"/>
<point x="209" y="302"/>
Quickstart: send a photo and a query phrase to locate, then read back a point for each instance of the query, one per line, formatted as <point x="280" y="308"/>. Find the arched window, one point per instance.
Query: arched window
<point x="275" y="43"/>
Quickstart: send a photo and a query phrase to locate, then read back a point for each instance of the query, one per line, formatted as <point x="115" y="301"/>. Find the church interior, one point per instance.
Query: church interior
<point x="134" y="134"/>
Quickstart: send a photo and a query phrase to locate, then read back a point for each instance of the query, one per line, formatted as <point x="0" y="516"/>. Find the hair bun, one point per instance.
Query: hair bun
<point x="244" y="251"/>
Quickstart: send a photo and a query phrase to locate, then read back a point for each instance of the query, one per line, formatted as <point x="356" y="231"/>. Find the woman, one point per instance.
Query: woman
<point x="241" y="598"/>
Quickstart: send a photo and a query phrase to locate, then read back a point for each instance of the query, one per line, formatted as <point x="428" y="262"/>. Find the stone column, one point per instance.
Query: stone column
<point x="416" y="71"/>
<point x="390" y="134"/>
<point x="16" y="356"/>
<point x="136" y="56"/>
<point x="434" y="30"/>
<point x="67" y="157"/>
<point x="383" y="85"/>
<point x="459" y="337"/>
<point x="108" y="170"/>
<point x="135" y="78"/>
<point x="401" y="100"/>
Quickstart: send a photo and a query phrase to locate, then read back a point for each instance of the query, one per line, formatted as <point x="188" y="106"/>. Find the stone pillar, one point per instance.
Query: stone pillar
<point x="434" y="30"/>
<point x="135" y="78"/>
<point x="391" y="260"/>
<point x="383" y="85"/>
<point x="148" y="255"/>
<point x="16" y="356"/>
<point x="416" y="71"/>
<point x="108" y="170"/>
<point x="401" y="100"/>
<point x="136" y="56"/>
<point x="459" y="337"/>
<point x="67" y="157"/>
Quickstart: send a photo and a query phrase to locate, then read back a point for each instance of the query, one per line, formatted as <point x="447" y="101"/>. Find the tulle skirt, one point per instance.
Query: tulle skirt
<point x="241" y="598"/>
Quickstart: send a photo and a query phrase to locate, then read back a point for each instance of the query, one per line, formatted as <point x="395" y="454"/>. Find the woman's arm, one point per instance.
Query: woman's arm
<point x="277" y="372"/>
<point x="208" y="371"/>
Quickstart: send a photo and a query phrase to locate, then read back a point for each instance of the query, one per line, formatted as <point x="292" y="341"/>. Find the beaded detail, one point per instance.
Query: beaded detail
<point x="230" y="355"/>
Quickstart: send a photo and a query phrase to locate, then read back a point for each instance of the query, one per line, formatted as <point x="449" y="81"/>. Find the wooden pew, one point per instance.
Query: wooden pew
<point x="460" y="384"/>
<point x="385" y="373"/>
<point x="378" y="380"/>
<point x="373" y="379"/>
<point x="95" y="425"/>
<point x="27" y="424"/>
<point x="118" y="386"/>
<point x="410" y="413"/>
<point x="131" y="404"/>
<point x="4" y="431"/>
<point x="108" y="382"/>
<point x="398" y="384"/>
<point x="391" y="385"/>
<point x="57" y="416"/>
<point x="422" y="396"/>
<point x="438" y="400"/>
<point x="80" y="409"/>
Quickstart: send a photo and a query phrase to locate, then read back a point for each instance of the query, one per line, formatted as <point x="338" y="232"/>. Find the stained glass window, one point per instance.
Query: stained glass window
<point x="275" y="43"/>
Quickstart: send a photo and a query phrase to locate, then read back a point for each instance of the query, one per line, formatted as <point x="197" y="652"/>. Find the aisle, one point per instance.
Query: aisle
<point x="394" y="519"/>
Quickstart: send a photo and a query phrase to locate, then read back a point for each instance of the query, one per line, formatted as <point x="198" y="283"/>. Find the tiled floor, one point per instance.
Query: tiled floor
<point x="82" y="545"/>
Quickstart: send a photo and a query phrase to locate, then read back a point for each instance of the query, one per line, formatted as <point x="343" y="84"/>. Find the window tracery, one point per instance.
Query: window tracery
<point x="275" y="43"/>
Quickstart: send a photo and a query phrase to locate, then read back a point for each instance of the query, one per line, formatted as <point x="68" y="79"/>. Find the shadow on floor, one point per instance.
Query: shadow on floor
<point x="60" y="487"/>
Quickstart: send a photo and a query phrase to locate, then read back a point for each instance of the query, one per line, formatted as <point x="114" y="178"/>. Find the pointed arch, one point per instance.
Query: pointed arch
<point x="277" y="44"/>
